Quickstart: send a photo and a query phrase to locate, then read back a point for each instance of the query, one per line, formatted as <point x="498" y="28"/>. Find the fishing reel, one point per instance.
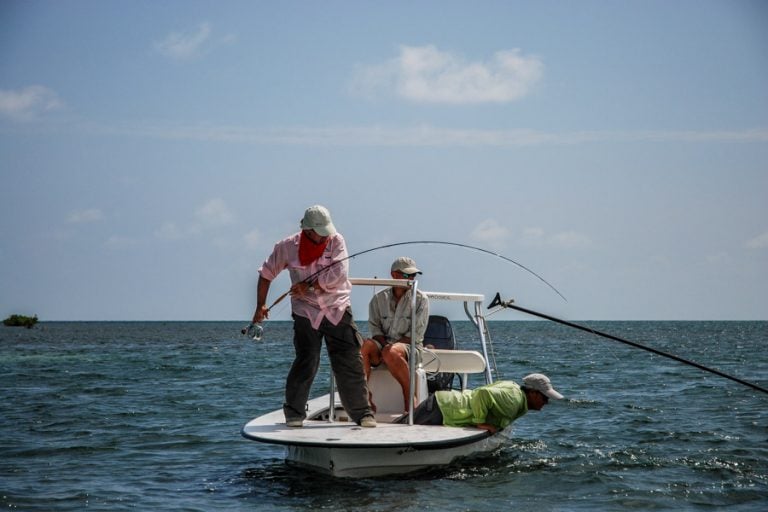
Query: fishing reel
<point x="253" y="331"/>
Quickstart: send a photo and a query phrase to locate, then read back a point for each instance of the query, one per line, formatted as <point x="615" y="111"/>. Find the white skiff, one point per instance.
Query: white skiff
<point x="329" y="442"/>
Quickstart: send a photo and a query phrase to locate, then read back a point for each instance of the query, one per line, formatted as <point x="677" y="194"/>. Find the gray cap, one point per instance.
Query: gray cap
<point x="318" y="219"/>
<point x="541" y="383"/>
<point x="405" y="265"/>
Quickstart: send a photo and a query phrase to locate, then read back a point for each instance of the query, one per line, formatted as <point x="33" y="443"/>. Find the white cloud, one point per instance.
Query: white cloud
<point x="212" y="215"/>
<point x="120" y="242"/>
<point x="564" y="239"/>
<point x="170" y="231"/>
<point x="759" y="242"/>
<point x="29" y="103"/>
<point x="532" y="234"/>
<point x="85" y="216"/>
<point x="252" y="240"/>
<point x="491" y="232"/>
<point x="187" y="45"/>
<point x="716" y="258"/>
<point x="417" y="136"/>
<point x="215" y="213"/>
<point x="425" y="74"/>
<point x="569" y="240"/>
<point x="191" y="44"/>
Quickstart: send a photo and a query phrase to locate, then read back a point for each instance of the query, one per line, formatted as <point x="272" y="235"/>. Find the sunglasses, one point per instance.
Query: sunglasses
<point x="407" y="276"/>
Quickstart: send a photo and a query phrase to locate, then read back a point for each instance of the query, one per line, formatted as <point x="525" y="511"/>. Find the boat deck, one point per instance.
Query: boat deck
<point x="271" y="428"/>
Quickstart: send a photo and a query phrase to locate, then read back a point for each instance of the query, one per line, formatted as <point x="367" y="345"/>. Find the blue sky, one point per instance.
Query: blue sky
<point x="153" y="152"/>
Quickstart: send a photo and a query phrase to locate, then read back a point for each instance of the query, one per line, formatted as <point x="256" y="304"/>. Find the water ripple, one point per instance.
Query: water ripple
<point x="126" y="416"/>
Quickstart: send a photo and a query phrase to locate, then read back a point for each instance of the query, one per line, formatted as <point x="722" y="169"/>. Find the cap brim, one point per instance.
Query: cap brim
<point x="327" y="230"/>
<point x="551" y="393"/>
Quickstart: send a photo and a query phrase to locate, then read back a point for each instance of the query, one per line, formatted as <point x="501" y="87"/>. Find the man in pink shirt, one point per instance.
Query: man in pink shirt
<point x="316" y="258"/>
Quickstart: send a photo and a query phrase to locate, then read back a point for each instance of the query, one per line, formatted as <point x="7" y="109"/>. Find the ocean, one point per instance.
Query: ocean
<point x="147" y="416"/>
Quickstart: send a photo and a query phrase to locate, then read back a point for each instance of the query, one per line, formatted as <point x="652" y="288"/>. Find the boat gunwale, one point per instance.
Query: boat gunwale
<point x="427" y="444"/>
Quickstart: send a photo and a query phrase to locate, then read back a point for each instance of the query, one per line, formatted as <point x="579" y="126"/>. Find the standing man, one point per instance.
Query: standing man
<point x="389" y="321"/>
<point x="316" y="258"/>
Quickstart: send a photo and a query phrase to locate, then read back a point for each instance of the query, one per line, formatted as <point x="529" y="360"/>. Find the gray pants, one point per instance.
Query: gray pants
<point x="343" y="348"/>
<point x="427" y="413"/>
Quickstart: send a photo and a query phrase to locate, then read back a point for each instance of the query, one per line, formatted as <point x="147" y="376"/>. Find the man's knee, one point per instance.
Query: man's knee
<point x="370" y="352"/>
<point x="394" y="354"/>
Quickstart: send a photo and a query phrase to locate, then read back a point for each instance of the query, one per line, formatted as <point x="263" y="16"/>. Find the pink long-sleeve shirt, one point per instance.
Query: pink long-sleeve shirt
<point x="332" y="297"/>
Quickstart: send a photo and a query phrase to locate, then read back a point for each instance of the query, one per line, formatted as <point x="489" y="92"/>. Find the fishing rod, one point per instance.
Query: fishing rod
<point x="255" y="331"/>
<point x="497" y="302"/>
<point x="455" y="244"/>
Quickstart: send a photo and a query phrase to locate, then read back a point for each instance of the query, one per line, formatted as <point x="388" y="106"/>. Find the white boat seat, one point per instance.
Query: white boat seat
<point x="387" y="393"/>
<point x="454" y="361"/>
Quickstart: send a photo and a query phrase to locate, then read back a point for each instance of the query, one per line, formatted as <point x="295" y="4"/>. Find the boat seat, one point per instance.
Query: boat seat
<point x="387" y="393"/>
<point x="453" y="361"/>
<point x="439" y="335"/>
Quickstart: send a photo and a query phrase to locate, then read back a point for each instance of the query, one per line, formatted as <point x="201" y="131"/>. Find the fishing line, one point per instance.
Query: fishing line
<point x="255" y="331"/>
<point x="439" y="242"/>
<point x="509" y="304"/>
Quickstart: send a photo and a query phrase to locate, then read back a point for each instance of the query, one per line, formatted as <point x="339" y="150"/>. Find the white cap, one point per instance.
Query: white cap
<point x="318" y="219"/>
<point x="541" y="383"/>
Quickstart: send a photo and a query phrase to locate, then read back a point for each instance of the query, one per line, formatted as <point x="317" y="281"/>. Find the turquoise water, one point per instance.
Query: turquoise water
<point x="147" y="416"/>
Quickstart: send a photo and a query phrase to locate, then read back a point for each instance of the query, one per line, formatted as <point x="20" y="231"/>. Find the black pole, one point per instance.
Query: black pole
<point x="628" y="342"/>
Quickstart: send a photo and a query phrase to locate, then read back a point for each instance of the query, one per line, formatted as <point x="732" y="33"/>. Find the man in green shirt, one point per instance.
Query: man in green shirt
<point x="492" y="407"/>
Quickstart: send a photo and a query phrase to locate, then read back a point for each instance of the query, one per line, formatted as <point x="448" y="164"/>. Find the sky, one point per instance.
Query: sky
<point x="152" y="153"/>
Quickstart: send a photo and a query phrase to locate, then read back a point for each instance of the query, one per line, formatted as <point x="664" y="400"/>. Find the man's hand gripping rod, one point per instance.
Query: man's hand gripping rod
<point x="255" y="330"/>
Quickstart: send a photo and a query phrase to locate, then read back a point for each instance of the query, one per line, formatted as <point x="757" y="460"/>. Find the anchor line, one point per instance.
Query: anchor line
<point x="498" y="302"/>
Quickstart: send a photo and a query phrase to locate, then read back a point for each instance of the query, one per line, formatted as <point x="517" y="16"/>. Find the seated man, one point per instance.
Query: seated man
<point x="389" y="320"/>
<point x="492" y="407"/>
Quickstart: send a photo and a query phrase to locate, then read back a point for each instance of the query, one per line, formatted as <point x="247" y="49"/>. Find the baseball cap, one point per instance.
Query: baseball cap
<point x="318" y="219"/>
<point x="540" y="382"/>
<point x="405" y="265"/>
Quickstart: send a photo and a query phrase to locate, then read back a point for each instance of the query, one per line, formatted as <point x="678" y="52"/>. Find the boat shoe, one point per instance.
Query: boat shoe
<point x="368" y="421"/>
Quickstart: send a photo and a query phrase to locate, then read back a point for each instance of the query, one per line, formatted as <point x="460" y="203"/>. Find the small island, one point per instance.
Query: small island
<point x="20" y="321"/>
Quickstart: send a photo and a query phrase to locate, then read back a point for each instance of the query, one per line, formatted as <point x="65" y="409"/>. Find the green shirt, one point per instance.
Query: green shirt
<point x="497" y="404"/>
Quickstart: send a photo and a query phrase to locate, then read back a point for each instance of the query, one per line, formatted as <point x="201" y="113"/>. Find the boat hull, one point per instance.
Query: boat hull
<point x="375" y="462"/>
<point x="344" y="449"/>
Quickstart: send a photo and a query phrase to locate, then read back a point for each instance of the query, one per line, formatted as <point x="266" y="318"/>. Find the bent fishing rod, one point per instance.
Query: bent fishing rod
<point x="255" y="330"/>
<point x="497" y="302"/>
